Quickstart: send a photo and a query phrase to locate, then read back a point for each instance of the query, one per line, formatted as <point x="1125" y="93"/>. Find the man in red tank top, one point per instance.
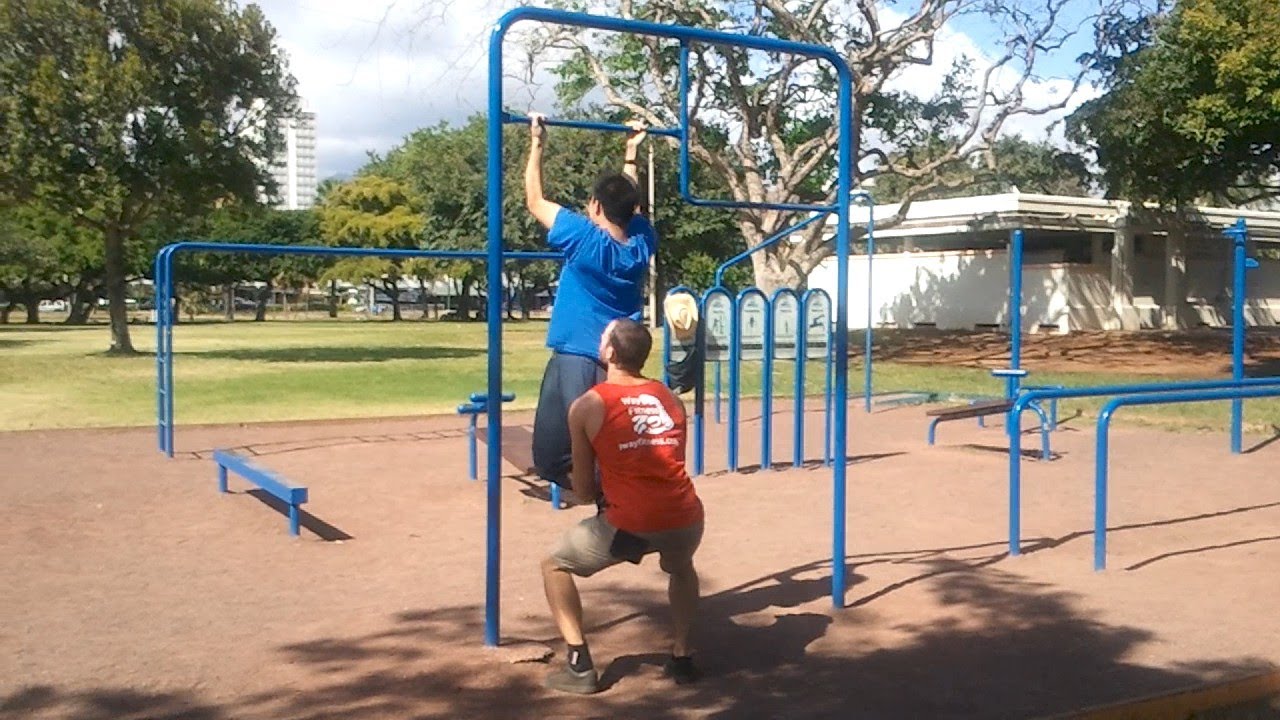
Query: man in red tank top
<point x="633" y="428"/>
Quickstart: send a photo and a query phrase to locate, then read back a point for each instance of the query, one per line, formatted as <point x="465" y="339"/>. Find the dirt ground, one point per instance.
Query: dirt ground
<point x="134" y="590"/>
<point x="1182" y="354"/>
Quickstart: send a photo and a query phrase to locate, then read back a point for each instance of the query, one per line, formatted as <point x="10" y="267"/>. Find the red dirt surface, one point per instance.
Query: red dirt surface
<point x="1181" y="354"/>
<point x="132" y="589"/>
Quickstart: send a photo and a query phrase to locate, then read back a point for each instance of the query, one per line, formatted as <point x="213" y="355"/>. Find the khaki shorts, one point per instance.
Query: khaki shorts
<point x="584" y="548"/>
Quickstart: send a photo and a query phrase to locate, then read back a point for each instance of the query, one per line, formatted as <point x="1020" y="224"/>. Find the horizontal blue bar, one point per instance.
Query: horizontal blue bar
<point x="510" y="119"/>
<point x="263" y="478"/>
<point x="736" y="205"/>
<point x="258" y="249"/>
<point x="1101" y="390"/>
<point x="479" y="397"/>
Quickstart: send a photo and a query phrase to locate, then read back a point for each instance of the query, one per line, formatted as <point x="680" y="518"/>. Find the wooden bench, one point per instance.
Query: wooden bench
<point x="271" y="483"/>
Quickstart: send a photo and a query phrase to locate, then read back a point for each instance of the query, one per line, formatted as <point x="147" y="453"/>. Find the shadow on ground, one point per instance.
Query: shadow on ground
<point x="1002" y="647"/>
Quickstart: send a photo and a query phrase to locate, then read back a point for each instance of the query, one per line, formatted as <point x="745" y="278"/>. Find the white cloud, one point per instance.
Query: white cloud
<point x="374" y="71"/>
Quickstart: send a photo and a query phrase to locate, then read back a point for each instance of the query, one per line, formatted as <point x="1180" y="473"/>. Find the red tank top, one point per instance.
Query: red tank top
<point x="640" y="453"/>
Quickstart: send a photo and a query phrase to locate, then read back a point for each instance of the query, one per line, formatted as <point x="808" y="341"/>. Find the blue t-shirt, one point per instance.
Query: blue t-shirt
<point x="601" y="281"/>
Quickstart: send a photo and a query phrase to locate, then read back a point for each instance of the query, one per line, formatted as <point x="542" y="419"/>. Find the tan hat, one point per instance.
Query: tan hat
<point x="681" y="312"/>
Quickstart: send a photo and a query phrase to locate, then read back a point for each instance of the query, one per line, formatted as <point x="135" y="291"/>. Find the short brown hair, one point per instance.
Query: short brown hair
<point x="631" y="343"/>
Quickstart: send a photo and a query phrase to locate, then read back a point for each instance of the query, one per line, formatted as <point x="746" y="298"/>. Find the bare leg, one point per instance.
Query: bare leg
<point x="682" y="591"/>
<point x="566" y="605"/>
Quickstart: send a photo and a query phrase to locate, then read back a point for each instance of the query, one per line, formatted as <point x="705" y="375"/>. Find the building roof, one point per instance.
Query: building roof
<point x="1014" y="210"/>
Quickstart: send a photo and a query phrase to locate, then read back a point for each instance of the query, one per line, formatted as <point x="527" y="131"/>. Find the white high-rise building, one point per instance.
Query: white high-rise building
<point x="294" y="169"/>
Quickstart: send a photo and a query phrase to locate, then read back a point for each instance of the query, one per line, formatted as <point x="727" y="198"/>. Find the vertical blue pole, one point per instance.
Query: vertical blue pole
<point x="797" y="427"/>
<point x="493" y="529"/>
<point x="766" y="401"/>
<point x="666" y="355"/>
<point x="846" y="150"/>
<point x="735" y="359"/>
<point x="556" y="494"/>
<point x="1015" y="482"/>
<point x="471" y="448"/>
<point x="717" y="392"/>
<point x="156" y="273"/>
<point x="826" y="410"/>
<point x="700" y="400"/>
<point x="293" y="519"/>
<point x="1100" y="491"/>
<point x="1239" y="237"/>
<point x="222" y="478"/>
<point x="168" y="352"/>
<point x="1015" y="312"/>
<point x="684" y="120"/>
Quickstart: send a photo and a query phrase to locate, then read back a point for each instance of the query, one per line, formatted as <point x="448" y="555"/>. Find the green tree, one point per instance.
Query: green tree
<point x="374" y="212"/>
<point x="1192" y="110"/>
<point x="117" y="111"/>
<point x="763" y="124"/>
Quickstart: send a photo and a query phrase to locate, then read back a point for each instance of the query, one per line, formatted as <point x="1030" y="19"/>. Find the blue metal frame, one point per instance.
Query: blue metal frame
<point x="846" y="150"/>
<point x="293" y="496"/>
<point x="766" y="387"/>
<point x="1103" y="446"/>
<point x="1240" y="265"/>
<point x="699" y="390"/>
<point x="735" y="371"/>
<point x="767" y="415"/>
<point x="1027" y="398"/>
<point x="802" y="352"/>
<point x="768" y="242"/>
<point x="1015" y="313"/>
<point x="699" y="428"/>
<point x="871" y="252"/>
<point x="510" y="119"/>
<point x="163" y="269"/>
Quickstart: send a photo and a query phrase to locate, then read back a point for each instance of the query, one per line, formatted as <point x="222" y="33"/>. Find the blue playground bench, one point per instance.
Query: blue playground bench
<point x="478" y="405"/>
<point x="273" y="484"/>
<point x="980" y="409"/>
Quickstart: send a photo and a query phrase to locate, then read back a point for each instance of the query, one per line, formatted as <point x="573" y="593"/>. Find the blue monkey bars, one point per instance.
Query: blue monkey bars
<point x="163" y="274"/>
<point x="846" y="152"/>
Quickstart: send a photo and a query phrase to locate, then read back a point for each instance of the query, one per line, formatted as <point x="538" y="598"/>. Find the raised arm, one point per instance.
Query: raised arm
<point x="639" y="131"/>
<point x="544" y="211"/>
<point x="586" y="415"/>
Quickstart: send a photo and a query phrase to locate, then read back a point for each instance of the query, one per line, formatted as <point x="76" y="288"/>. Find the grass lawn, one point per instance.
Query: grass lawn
<point x="55" y="376"/>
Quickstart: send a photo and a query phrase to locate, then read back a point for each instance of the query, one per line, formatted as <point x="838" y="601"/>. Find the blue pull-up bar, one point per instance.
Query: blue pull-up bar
<point x="511" y="119"/>
<point x="845" y="152"/>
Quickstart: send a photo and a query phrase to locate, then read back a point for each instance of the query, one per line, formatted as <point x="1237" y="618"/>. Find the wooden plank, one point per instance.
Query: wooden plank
<point x="992" y="407"/>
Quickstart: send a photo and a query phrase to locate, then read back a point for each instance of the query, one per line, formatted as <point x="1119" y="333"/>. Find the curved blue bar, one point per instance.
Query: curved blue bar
<point x="770" y="241"/>
<point x="509" y="119"/>
<point x="1014" y="425"/>
<point x="1103" y="431"/>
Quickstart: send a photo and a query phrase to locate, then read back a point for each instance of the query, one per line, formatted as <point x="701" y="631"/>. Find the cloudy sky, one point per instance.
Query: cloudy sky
<point x="375" y="70"/>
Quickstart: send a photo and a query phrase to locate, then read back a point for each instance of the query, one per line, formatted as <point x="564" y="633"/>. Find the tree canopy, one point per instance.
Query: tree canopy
<point x="115" y="112"/>
<point x="1192" y="110"/>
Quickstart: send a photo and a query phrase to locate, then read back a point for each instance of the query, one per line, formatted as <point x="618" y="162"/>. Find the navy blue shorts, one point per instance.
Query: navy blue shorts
<point x="567" y="378"/>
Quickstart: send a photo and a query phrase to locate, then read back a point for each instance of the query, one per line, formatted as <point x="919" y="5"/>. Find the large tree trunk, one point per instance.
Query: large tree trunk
<point x="33" y="311"/>
<point x="333" y="298"/>
<point x="526" y="298"/>
<point x="4" y="313"/>
<point x="393" y="292"/>
<point x="264" y="296"/>
<point x="81" y="302"/>
<point x="229" y="302"/>
<point x="464" y="299"/>
<point x="121" y="343"/>
<point x="772" y="272"/>
<point x="424" y="297"/>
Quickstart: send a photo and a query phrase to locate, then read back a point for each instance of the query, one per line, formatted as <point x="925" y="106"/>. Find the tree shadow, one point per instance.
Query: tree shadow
<point x="13" y="342"/>
<point x="337" y="354"/>
<point x="971" y="641"/>
<point x="1275" y="435"/>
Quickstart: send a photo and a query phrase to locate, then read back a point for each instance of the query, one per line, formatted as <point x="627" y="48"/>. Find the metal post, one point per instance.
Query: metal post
<point x="718" y="392"/>
<point x="1239" y="237"/>
<point x="766" y="400"/>
<point x="471" y="448"/>
<point x="222" y="478"/>
<point x="735" y="360"/>
<point x="826" y="410"/>
<point x="493" y="528"/>
<point x="1015" y="312"/>
<point x="797" y="426"/>
<point x="871" y="252"/>
<point x="847" y="149"/>
<point x="294" y="519"/>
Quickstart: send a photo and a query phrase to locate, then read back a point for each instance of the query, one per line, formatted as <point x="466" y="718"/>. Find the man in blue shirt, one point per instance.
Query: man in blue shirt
<point x="607" y="251"/>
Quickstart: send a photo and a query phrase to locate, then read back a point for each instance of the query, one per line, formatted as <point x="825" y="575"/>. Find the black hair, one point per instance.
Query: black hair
<point x="618" y="197"/>
<point x="631" y="343"/>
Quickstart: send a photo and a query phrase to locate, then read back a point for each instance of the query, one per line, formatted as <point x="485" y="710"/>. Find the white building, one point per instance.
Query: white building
<point x="1088" y="264"/>
<point x="294" y="168"/>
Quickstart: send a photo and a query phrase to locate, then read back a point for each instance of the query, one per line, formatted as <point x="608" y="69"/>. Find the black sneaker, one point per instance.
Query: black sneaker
<point x="566" y="679"/>
<point x="682" y="670"/>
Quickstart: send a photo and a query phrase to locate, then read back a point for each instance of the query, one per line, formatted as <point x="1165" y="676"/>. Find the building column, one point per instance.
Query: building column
<point x="1123" y="314"/>
<point x="1175" y="280"/>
